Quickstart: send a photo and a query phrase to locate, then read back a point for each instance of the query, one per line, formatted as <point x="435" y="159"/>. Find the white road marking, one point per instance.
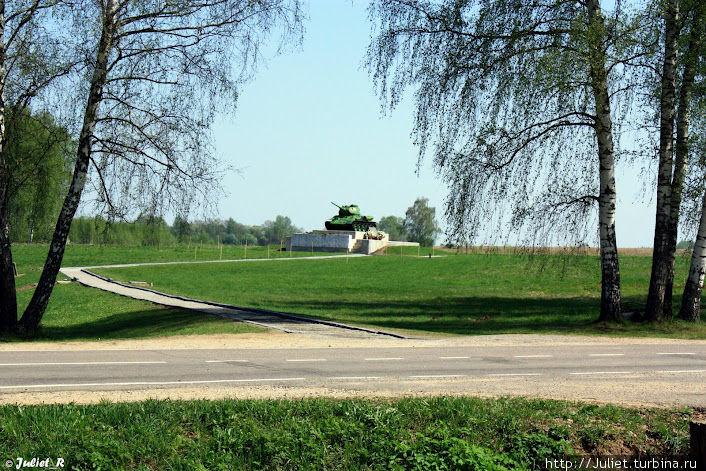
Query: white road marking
<point x="453" y="358"/>
<point x="533" y="356"/>
<point x="383" y="359"/>
<point x="681" y="371"/>
<point x="148" y="383"/>
<point x="74" y="363"/>
<point x="606" y="354"/>
<point x="602" y="373"/>
<point x="515" y="374"/>
<point x="436" y="376"/>
<point x="675" y="353"/>
<point x="227" y="361"/>
<point x="354" y="377"/>
<point x="308" y="359"/>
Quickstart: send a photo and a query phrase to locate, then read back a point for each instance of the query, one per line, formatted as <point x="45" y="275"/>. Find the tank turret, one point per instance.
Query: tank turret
<point x="347" y="210"/>
<point x="350" y="219"/>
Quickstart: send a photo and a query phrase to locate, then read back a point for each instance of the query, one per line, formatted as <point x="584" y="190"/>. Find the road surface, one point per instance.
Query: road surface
<point x="668" y="373"/>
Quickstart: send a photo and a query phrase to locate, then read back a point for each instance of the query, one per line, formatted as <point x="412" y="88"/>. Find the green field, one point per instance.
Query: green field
<point x="79" y="313"/>
<point x="426" y="433"/>
<point x="454" y="294"/>
<point x="478" y="293"/>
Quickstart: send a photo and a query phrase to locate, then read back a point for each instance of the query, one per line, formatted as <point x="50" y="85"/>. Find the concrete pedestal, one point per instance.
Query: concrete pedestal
<point x="339" y="241"/>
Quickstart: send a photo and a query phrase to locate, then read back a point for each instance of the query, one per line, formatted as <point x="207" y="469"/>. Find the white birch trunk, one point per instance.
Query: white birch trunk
<point x="660" y="255"/>
<point x="610" y="267"/>
<point x="681" y="148"/>
<point x="691" y="299"/>
<point x="35" y="310"/>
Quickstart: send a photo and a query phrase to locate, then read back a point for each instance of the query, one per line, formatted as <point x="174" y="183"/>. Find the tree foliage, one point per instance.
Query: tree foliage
<point x="157" y="73"/>
<point x="504" y="106"/>
<point x="394" y="226"/>
<point x="38" y="153"/>
<point x="276" y="231"/>
<point x="154" y="231"/>
<point x="172" y="67"/>
<point x="420" y="223"/>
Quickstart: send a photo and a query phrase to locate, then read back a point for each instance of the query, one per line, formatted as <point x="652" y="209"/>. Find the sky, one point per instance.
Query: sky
<point x="309" y="130"/>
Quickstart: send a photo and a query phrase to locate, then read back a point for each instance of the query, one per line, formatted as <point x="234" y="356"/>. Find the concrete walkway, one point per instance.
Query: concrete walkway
<point x="270" y="319"/>
<point x="239" y="260"/>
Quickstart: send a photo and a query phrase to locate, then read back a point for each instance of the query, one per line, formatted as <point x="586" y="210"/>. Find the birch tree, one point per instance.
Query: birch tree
<point x="694" y="149"/>
<point x="31" y="59"/>
<point x="695" y="209"/>
<point x="159" y="71"/>
<point x="515" y="101"/>
<point x="690" y="309"/>
<point x="684" y="30"/>
<point x="661" y="254"/>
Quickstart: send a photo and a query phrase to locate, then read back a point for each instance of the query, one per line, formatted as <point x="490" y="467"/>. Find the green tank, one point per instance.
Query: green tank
<point x="350" y="219"/>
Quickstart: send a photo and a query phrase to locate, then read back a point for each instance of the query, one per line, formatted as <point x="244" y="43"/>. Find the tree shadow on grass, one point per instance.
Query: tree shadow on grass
<point x="130" y="324"/>
<point x="466" y="315"/>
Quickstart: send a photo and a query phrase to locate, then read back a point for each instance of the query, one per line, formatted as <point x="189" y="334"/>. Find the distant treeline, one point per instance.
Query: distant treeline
<point x="155" y="231"/>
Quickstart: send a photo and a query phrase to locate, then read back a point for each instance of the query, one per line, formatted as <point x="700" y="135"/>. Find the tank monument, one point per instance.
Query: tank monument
<point x="348" y="231"/>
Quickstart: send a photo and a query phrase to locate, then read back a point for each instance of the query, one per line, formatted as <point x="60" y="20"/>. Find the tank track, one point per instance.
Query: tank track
<point x="361" y="226"/>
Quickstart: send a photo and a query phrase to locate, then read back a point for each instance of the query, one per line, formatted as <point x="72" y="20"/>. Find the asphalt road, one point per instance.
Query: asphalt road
<point x="650" y="373"/>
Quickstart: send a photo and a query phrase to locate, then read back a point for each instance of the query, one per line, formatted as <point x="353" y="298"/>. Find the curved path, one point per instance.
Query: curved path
<point x="270" y="319"/>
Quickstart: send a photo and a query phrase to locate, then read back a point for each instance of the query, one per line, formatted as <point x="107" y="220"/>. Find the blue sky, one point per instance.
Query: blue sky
<point x="309" y="130"/>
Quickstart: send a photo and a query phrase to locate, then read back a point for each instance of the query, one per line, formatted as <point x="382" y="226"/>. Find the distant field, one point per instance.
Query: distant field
<point x="32" y="256"/>
<point x="454" y="294"/>
<point x="425" y="433"/>
<point x="548" y="250"/>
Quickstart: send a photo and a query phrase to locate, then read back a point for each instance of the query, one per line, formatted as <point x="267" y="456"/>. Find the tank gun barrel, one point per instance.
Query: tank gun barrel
<point x="336" y="205"/>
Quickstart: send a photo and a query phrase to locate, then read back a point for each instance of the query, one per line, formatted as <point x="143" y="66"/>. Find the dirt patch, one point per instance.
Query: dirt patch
<point x="25" y="288"/>
<point x="275" y="339"/>
<point x="651" y="393"/>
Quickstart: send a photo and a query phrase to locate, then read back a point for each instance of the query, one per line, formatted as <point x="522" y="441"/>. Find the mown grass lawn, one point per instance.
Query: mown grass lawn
<point x="79" y="313"/>
<point x="424" y="433"/>
<point x="455" y="294"/>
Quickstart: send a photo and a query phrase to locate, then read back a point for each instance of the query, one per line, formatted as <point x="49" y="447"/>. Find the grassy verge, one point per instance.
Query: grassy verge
<point x="431" y="433"/>
<point x="455" y="294"/>
<point x="79" y="313"/>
